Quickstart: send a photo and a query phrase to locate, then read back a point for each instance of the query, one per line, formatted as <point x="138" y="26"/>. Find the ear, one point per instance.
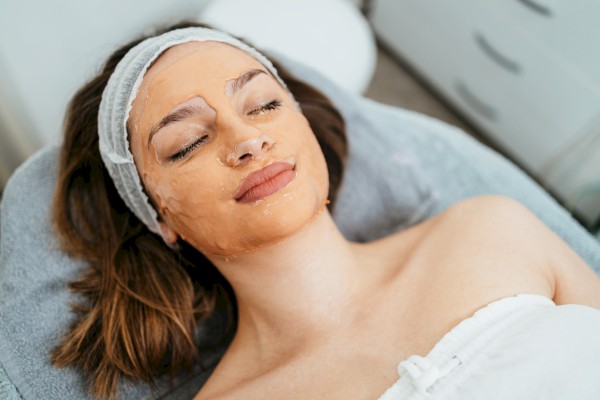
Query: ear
<point x="168" y="234"/>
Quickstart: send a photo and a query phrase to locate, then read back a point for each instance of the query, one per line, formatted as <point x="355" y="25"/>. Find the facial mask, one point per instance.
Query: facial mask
<point x="116" y="104"/>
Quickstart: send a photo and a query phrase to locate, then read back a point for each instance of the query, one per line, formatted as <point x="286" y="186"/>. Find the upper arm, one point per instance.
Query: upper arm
<point x="576" y="282"/>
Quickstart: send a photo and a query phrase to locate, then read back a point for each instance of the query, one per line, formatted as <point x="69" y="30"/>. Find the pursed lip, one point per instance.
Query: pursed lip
<point x="265" y="181"/>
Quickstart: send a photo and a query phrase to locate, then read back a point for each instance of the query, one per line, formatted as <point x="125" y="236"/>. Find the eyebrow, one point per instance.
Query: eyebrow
<point x="244" y="78"/>
<point x="187" y="111"/>
<point x="174" y="116"/>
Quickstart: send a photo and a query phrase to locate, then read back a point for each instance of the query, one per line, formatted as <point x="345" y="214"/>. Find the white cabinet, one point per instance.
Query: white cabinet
<point x="526" y="72"/>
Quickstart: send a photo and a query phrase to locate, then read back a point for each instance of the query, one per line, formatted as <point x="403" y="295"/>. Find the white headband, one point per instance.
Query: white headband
<point x="116" y="103"/>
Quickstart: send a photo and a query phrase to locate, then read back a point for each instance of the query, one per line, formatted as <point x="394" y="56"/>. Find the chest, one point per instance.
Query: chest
<point x="409" y="315"/>
<point x="361" y="364"/>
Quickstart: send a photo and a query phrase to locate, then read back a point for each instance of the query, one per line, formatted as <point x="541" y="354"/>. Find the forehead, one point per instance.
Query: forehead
<point x="183" y="72"/>
<point x="208" y="57"/>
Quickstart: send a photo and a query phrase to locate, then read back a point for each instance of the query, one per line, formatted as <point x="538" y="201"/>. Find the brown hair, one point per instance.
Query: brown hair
<point x="141" y="300"/>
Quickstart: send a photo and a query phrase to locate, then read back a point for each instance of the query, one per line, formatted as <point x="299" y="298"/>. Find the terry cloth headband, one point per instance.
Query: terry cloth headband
<point x="116" y="102"/>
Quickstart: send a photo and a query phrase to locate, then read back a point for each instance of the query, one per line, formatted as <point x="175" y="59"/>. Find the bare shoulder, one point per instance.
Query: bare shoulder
<point x="493" y="221"/>
<point x="508" y="232"/>
<point x="506" y="222"/>
<point x="498" y="210"/>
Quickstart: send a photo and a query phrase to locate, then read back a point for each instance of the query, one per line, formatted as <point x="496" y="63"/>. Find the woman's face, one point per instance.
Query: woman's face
<point x="222" y="149"/>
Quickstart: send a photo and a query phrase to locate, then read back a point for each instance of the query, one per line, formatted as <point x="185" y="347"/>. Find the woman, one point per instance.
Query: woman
<point x="203" y="145"/>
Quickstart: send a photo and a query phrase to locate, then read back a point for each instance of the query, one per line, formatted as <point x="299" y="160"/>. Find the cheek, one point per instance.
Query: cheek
<point x="313" y="159"/>
<point x="187" y="197"/>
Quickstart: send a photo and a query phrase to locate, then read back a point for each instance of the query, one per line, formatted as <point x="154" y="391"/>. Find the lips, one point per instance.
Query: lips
<point x="266" y="181"/>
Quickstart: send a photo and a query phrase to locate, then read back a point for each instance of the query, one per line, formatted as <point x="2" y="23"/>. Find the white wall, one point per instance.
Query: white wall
<point x="48" y="49"/>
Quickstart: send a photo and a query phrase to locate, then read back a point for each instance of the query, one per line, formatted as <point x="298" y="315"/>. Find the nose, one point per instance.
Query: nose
<point x="249" y="149"/>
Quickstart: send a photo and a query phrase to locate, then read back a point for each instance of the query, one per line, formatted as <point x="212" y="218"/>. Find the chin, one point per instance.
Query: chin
<point x="244" y="227"/>
<point x="265" y="223"/>
<point x="284" y="222"/>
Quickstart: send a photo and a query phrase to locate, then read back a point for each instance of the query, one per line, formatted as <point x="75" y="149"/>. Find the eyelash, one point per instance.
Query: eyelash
<point x="273" y="105"/>
<point x="182" y="153"/>
<point x="266" y="107"/>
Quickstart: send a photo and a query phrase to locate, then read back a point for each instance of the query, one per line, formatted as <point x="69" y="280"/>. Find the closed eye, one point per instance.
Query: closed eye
<point x="186" y="150"/>
<point x="265" y="108"/>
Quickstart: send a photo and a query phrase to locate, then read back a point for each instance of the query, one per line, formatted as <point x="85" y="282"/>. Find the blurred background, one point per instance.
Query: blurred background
<point x="522" y="76"/>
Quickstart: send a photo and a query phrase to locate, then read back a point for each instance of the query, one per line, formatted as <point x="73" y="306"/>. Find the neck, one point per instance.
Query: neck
<point x="297" y="290"/>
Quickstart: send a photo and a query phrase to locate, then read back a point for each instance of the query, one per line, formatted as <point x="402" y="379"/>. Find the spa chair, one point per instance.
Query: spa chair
<point x="403" y="167"/>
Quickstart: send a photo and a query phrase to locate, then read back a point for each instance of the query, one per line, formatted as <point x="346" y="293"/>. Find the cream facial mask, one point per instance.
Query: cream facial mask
<point x="116" y="104"/>
<point x="242" y="169"/>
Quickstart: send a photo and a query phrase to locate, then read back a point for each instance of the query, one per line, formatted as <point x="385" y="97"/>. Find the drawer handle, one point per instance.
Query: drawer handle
<point x="473" y="101"/>
<point x="495" y="55"/>
<point x="538" y="8"/>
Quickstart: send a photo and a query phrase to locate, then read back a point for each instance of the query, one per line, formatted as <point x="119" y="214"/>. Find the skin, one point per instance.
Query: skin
<point x="321" y="317"/>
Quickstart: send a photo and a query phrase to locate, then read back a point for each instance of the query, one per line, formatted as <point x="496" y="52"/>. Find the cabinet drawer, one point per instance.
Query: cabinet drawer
<point x="521" y="94"/>
<point x="571" y="29"/>
<point x="450" y="60"/>
<point x="527" y="76"/>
